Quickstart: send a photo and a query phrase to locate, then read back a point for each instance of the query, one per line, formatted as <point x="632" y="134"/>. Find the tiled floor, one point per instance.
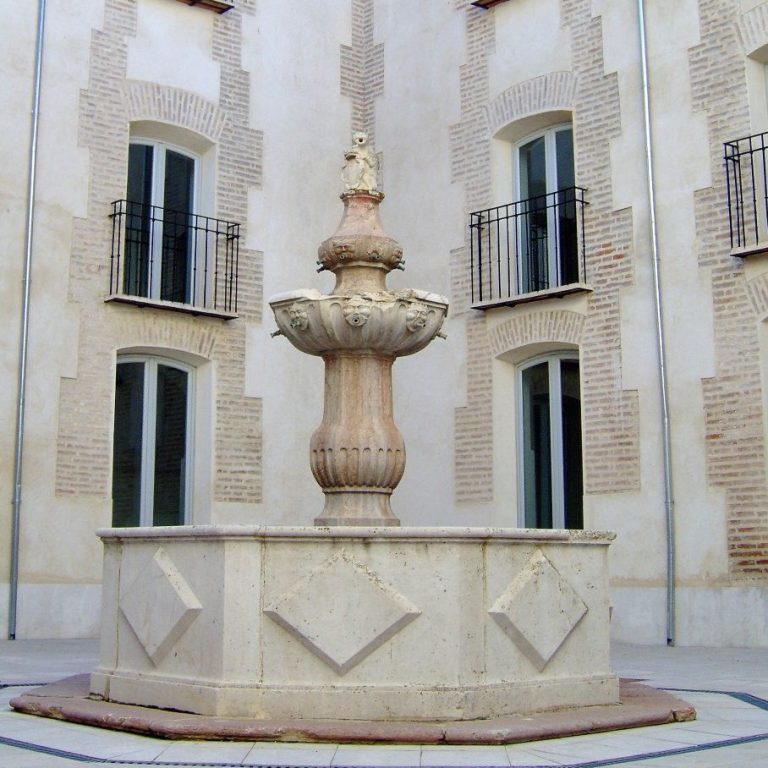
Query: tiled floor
<point x="728" y="687"/>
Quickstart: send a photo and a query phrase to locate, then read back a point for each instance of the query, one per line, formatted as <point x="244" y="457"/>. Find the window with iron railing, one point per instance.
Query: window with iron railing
<point x="530" y="246"/>
<point x="746" y="175"/>
<point x="163" y="255"/>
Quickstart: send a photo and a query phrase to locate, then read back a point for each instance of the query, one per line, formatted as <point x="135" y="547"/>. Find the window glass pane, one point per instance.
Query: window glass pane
<point x="571" y="426"/>
<point x="533" y="169"/>
<point x="534" y="262"/>
<point x="127" y="444"/>
<point x="564" y="154"/>
<point x="567" y="241"/>
<point x="537" y="459"/>
<point x="179" y="181"/>
<point x="138" y="221"/>
<point x="140" y="158"/>
<point x="177" y="232"/>
<point x="170" y="446"/>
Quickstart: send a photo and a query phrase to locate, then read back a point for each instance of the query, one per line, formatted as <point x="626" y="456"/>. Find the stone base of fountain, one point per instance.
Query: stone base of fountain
<point x="376" y="624"/>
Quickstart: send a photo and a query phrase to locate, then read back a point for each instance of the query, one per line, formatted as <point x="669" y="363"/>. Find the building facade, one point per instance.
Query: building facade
<point x="607" y="356"/>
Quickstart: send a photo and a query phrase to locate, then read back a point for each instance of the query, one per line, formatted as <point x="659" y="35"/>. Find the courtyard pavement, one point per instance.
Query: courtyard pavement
<point x="727" y="686"/>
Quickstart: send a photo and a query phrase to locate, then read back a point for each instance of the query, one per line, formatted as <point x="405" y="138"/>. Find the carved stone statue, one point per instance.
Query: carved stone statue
<point x="359" y="172"/>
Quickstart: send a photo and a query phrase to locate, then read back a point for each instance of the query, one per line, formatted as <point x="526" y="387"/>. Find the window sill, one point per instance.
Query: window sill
<point x="486" y="4"/>
<point x="173" y="306"/>
<point x="524" y="298"/>
<point x="744" y="251"/>
<point x="218" y="6"/>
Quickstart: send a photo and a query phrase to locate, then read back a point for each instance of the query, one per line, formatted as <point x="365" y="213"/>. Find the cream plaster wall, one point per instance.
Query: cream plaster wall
<point x="61" y="191"/>
<point x="172" y="47"/>
<point x="295" y="211"/>
<point x="295" y="99"/>
<point x="423" y="211"/>
<point x="681" y="167"/>
<point x="16" y="67"/>
<point x="530" y="41"/>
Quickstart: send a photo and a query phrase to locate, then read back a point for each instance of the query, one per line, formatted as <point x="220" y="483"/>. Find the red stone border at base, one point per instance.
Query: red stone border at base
<point x="639" y="705"/>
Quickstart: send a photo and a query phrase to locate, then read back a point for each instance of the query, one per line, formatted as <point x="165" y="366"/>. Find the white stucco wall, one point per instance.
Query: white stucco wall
<point x="292" y="57"/>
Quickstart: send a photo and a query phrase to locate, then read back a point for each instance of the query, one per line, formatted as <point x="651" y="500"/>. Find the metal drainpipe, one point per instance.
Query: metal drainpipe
<point x="669" y="504"/>
<point x="22" y="381"/>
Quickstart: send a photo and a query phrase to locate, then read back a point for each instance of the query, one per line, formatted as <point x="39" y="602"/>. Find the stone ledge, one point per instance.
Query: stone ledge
<point x="640" y="705"/>
<point x="351" y="532"/>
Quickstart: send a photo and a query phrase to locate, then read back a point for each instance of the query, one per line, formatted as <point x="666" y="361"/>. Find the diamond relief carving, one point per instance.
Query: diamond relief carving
<point x="342" y="612"/>
<point x="538" y="610"/>
<point x="160" y="606"/>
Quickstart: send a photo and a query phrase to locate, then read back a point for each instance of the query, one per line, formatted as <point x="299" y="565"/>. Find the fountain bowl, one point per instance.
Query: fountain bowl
<point x="389" y="323"/>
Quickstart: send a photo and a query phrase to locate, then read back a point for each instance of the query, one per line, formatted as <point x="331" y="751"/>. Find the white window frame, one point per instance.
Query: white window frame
<point x="549" y="134"/>
<point x="555" y="434"/>
<point x="149" y="425"/>
<point x="157" y="201"/>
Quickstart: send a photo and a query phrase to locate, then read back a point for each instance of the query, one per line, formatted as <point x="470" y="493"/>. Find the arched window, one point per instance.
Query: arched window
<point x="549" y="440"/>
<point x="530" y="246"/>
<point x="168" y="250"/>
<point x="548" y="252"/>
<point x="152" y="445"/>
<point x="161" y="202"/>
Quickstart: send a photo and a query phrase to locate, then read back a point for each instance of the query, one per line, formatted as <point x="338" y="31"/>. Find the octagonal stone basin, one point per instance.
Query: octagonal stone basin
<point x="355" y="623"/>
<point x="393" y="323"/>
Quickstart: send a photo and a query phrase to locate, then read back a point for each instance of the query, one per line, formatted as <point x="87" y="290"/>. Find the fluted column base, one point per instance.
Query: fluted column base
<point x="357" y="506"/>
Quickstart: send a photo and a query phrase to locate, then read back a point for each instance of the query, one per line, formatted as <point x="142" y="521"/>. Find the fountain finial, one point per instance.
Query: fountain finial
<point x="359" y="172"/>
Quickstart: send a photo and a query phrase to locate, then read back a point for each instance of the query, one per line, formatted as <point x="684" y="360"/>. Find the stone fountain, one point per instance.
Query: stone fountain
<point x="357" y="453"/>
<point x="355" y="618"/>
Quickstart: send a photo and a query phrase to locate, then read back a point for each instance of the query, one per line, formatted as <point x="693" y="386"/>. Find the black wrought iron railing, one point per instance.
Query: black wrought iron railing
<point x="527" y="246"/>
<point x="175" y="256"/>
<point x="747" y="189"/>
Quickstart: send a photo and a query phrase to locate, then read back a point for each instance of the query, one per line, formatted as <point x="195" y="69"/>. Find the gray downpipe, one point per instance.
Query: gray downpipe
<point x="669" y="504"/>
<point x="22" y="381"/>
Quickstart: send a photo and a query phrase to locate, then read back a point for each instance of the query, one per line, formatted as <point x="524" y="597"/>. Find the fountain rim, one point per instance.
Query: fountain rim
<point x="457" y="534"/>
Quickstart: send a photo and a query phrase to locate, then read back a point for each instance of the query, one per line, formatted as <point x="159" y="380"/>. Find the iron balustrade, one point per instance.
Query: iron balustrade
<point x="177" y="256"/>
<point x="747" y="190"/>
<point x="527" y="246"/>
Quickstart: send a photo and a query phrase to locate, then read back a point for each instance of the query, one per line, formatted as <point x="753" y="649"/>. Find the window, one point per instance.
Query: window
<point x="531" y="248"/>
<point x="550" y="464"/>
<point x="165" y="252"/>
<point x="152" y="447"/>
<point x="548" y="254"/>
<point x="161" y="199"/>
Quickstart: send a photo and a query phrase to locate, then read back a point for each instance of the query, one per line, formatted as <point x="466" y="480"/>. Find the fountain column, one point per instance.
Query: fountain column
<point x="357" y="454"/>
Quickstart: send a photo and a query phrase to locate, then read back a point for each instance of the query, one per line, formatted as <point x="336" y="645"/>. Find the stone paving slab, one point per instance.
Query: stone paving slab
<point x="640" y="705"/>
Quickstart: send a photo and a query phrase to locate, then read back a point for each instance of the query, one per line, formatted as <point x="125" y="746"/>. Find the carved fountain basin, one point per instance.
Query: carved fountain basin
<point x="392" y="323"/>
<point x="355" y="623"/>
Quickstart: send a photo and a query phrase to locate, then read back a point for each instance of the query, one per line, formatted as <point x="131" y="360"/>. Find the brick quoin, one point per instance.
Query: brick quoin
<point x="84" y="448"/>
<point x="733" y="397"/>
<point x="611" y="414"/>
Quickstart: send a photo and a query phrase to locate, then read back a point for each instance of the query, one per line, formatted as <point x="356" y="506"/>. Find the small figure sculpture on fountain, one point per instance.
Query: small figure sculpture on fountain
<point x="359" y="172"/>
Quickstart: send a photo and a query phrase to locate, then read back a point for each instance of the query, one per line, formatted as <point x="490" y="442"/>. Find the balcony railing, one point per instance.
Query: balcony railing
<point x="174" y="256"/>
<point x="527" y="246"/>
<point x="747" y="183"/>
